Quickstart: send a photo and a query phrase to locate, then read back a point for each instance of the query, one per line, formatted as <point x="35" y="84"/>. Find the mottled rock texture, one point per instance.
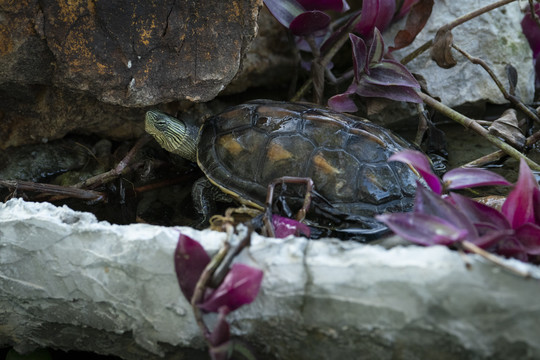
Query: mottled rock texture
<point x="80" y="66"/>
<point x="130" y="53"/>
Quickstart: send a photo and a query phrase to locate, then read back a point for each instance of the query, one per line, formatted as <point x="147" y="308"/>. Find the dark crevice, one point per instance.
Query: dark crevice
<point x="167" y="20"/>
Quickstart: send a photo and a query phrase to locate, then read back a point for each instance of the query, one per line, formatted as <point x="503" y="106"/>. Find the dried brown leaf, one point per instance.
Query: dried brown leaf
<point x="441" y="51"/>
<point x="507" y="127"/>
<point x="416" y="20"/>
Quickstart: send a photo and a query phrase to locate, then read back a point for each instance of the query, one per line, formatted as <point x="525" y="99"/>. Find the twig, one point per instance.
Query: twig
<point x="471" y="124"/>
<point x="54" y="189"/>
<point x="417" y="52"/>
<point x="317" y="71"/>
<point x="514" y="100"/>
<point x="497" y="155"/>
<point x="533" y="13"/>
<point x="460" y="20"/>
<point x="113" y="173"/>
<point x="339" y="43"/>
<point x="325" y="60"/>
<point x="422" y="124"/>
<point x="469" y="246"/>
<point x="200" y="288"/>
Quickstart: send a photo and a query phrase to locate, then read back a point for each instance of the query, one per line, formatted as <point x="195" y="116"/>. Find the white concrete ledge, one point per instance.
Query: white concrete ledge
<point x="71" y="282"/>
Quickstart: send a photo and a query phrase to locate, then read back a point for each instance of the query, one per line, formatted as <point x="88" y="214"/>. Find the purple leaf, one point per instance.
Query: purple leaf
<point x="359" y="55"/>
<point x="461" y="178"/>
<point x="221" y="332"/>
<point x="531" y="30"/>
<point x="338" y="34"/>
<point x="421" y="163"/>
<point x="519" y="207"/>
<point x="491" y="240"/>
<point x="417" y="19"/>
<point x="423" y="229"/>
<point x="342" y="102"/>
<point x="390" y="73"/>
<point x="370" y="10"/>
<point x="405" y="8"/>
<point x="528" y="236"/>
<point x="397" y="93"/>
<point x="284" y="10"/>
<point x="375" y="13"/>
<point x="376" y="50"/>
<point x="387" y="8"/>
<point x="284" y="227"/>
<point x="323" y="5"/>
<point x="239" y="287"/>
<point x="429" y="203"/>
<point x="511" y="247"/>
<point x="480" y="214"/>
<point x="309" y="22"/>
<point x="190" y="259"/>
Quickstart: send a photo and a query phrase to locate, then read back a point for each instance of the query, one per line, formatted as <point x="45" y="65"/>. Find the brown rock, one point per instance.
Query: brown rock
<point x="270" y="59"/>
<point x="79" y="66"/>
<point x="139" y="53"/>
<point x="43" y="113"/>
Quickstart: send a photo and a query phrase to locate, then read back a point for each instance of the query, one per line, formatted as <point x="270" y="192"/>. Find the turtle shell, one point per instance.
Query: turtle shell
<point x="248" y="146"/>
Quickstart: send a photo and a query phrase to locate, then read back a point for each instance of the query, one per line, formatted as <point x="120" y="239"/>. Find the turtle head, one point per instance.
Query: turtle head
<point x="172" y="134"/>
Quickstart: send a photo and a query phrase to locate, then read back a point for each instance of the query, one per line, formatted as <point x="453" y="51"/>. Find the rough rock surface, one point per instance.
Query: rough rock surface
<point x="270" y="59"/>
<point x="37" y="114"/>
<point x="131" y="53"/>
<point x="71" y="282"/>
<point x="495" y="37"/>
<point x="79" y="67"/>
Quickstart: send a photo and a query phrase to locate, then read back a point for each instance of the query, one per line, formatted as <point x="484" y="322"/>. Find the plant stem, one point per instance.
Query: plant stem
<point x="114" y="173"/>
<point x="469" y="246"/>
<point x="497" y="155"/>
<point x="64" y="191"/>
<point x="317" y="70"/>
<point x="200" y="288"/>
<point x="471" y="124"/>
<point x="325" y="60"/>
<point x="460" y="20"/>
<point x="422" y="124"/>
<point x="411" y="56"/>
<point x="533" y="13"/>
<point x="514" y="100"/>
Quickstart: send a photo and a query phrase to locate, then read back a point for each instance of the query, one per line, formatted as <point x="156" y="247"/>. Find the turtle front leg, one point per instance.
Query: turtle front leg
<point x="204" y="195"/>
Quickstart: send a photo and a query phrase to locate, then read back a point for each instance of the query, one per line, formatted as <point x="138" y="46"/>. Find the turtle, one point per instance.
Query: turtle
<point x="244" y="148"/>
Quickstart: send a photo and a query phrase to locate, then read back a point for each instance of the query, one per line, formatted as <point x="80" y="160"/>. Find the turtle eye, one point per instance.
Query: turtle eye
<point x="160" y="124"/>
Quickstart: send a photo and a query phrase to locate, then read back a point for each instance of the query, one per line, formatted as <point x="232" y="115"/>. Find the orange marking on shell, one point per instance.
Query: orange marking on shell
<point x="230" y="144"/>
<point x="324" y="165"/>
<point x="276" y="152"/>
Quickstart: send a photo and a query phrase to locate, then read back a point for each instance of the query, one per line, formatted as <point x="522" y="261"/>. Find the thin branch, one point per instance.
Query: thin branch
<point x="460" y="20"/>
<point x="114" y="173"/>
<point x="471" y="124"/>
<point x="411" y="56"/>
<point x="497" y="155"/>
<point x="469" y="246"/>
<point x="66" y="191"/>
<point x="202" y="283"/>
<point x="325" y="60"/>
<point x="317" y="70"/>
<point x="422" y="124"/>
<point x="514" y="100"/>
<point x="533" y="13"/>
